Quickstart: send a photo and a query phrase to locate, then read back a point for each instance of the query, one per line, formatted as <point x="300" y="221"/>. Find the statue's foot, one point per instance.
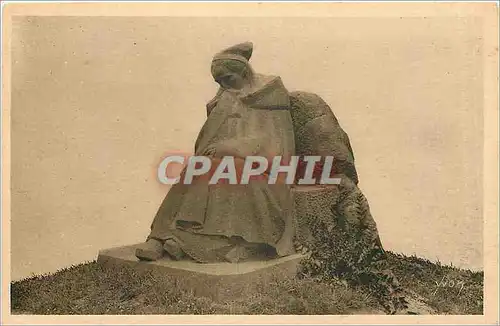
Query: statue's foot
<point x="149" y="250"/>
<point x="173" y="248"/>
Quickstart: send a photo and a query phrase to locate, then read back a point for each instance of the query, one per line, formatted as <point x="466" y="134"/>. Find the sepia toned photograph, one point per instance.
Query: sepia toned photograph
<point x="249" y="162"/>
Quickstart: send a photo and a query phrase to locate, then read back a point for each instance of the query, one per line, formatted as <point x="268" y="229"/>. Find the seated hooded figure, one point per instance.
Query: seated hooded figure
<point x="205" y="222"/>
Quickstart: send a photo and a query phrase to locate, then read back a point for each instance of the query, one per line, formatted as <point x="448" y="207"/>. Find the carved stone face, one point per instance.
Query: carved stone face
<point x="230" y="74"/>
<point x="231" y="81"/>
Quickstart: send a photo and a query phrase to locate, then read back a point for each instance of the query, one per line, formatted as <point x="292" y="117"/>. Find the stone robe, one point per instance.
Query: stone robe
<point x="203" y="218"/>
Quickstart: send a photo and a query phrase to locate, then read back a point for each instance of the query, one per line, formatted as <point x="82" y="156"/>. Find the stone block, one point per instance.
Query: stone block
<point x="217" y="280"/>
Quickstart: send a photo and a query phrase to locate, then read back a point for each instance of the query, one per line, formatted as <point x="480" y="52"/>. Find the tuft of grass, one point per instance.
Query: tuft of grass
<point x="447" y="289"/>
<point x="93" y="289"/>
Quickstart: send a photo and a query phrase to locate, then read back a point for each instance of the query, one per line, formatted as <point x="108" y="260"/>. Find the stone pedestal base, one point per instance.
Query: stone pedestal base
<point x="210" y="280"/>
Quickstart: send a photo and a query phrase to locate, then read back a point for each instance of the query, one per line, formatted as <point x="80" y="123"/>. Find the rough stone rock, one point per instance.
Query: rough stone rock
<point x="318" y="132"/>
<point x="313" y="204"/>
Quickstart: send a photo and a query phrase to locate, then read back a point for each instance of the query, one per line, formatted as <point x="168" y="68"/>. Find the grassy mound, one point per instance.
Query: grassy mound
<point x="91" y="289"/>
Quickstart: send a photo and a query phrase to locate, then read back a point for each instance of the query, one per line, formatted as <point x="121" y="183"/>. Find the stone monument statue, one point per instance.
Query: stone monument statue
<point x="250" y="116"/>
<point x="254" y="114"/>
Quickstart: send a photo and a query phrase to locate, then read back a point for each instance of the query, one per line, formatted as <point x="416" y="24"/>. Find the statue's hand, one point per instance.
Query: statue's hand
<point x="238" y="148"/>
<point x="224" y="149"/>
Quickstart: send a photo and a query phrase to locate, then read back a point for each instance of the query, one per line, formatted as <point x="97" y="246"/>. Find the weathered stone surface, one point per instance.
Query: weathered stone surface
<point x="333" y="208"/>
<point x="313" y="204"/>
<point x="214" y="280"/>
<point x="318" y="132"/>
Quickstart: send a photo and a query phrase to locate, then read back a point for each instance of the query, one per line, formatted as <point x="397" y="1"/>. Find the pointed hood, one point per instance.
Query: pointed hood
<point x="240" y="52"/>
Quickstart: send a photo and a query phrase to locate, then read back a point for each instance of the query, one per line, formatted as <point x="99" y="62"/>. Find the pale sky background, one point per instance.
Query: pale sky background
<point x="97" y="101"/>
